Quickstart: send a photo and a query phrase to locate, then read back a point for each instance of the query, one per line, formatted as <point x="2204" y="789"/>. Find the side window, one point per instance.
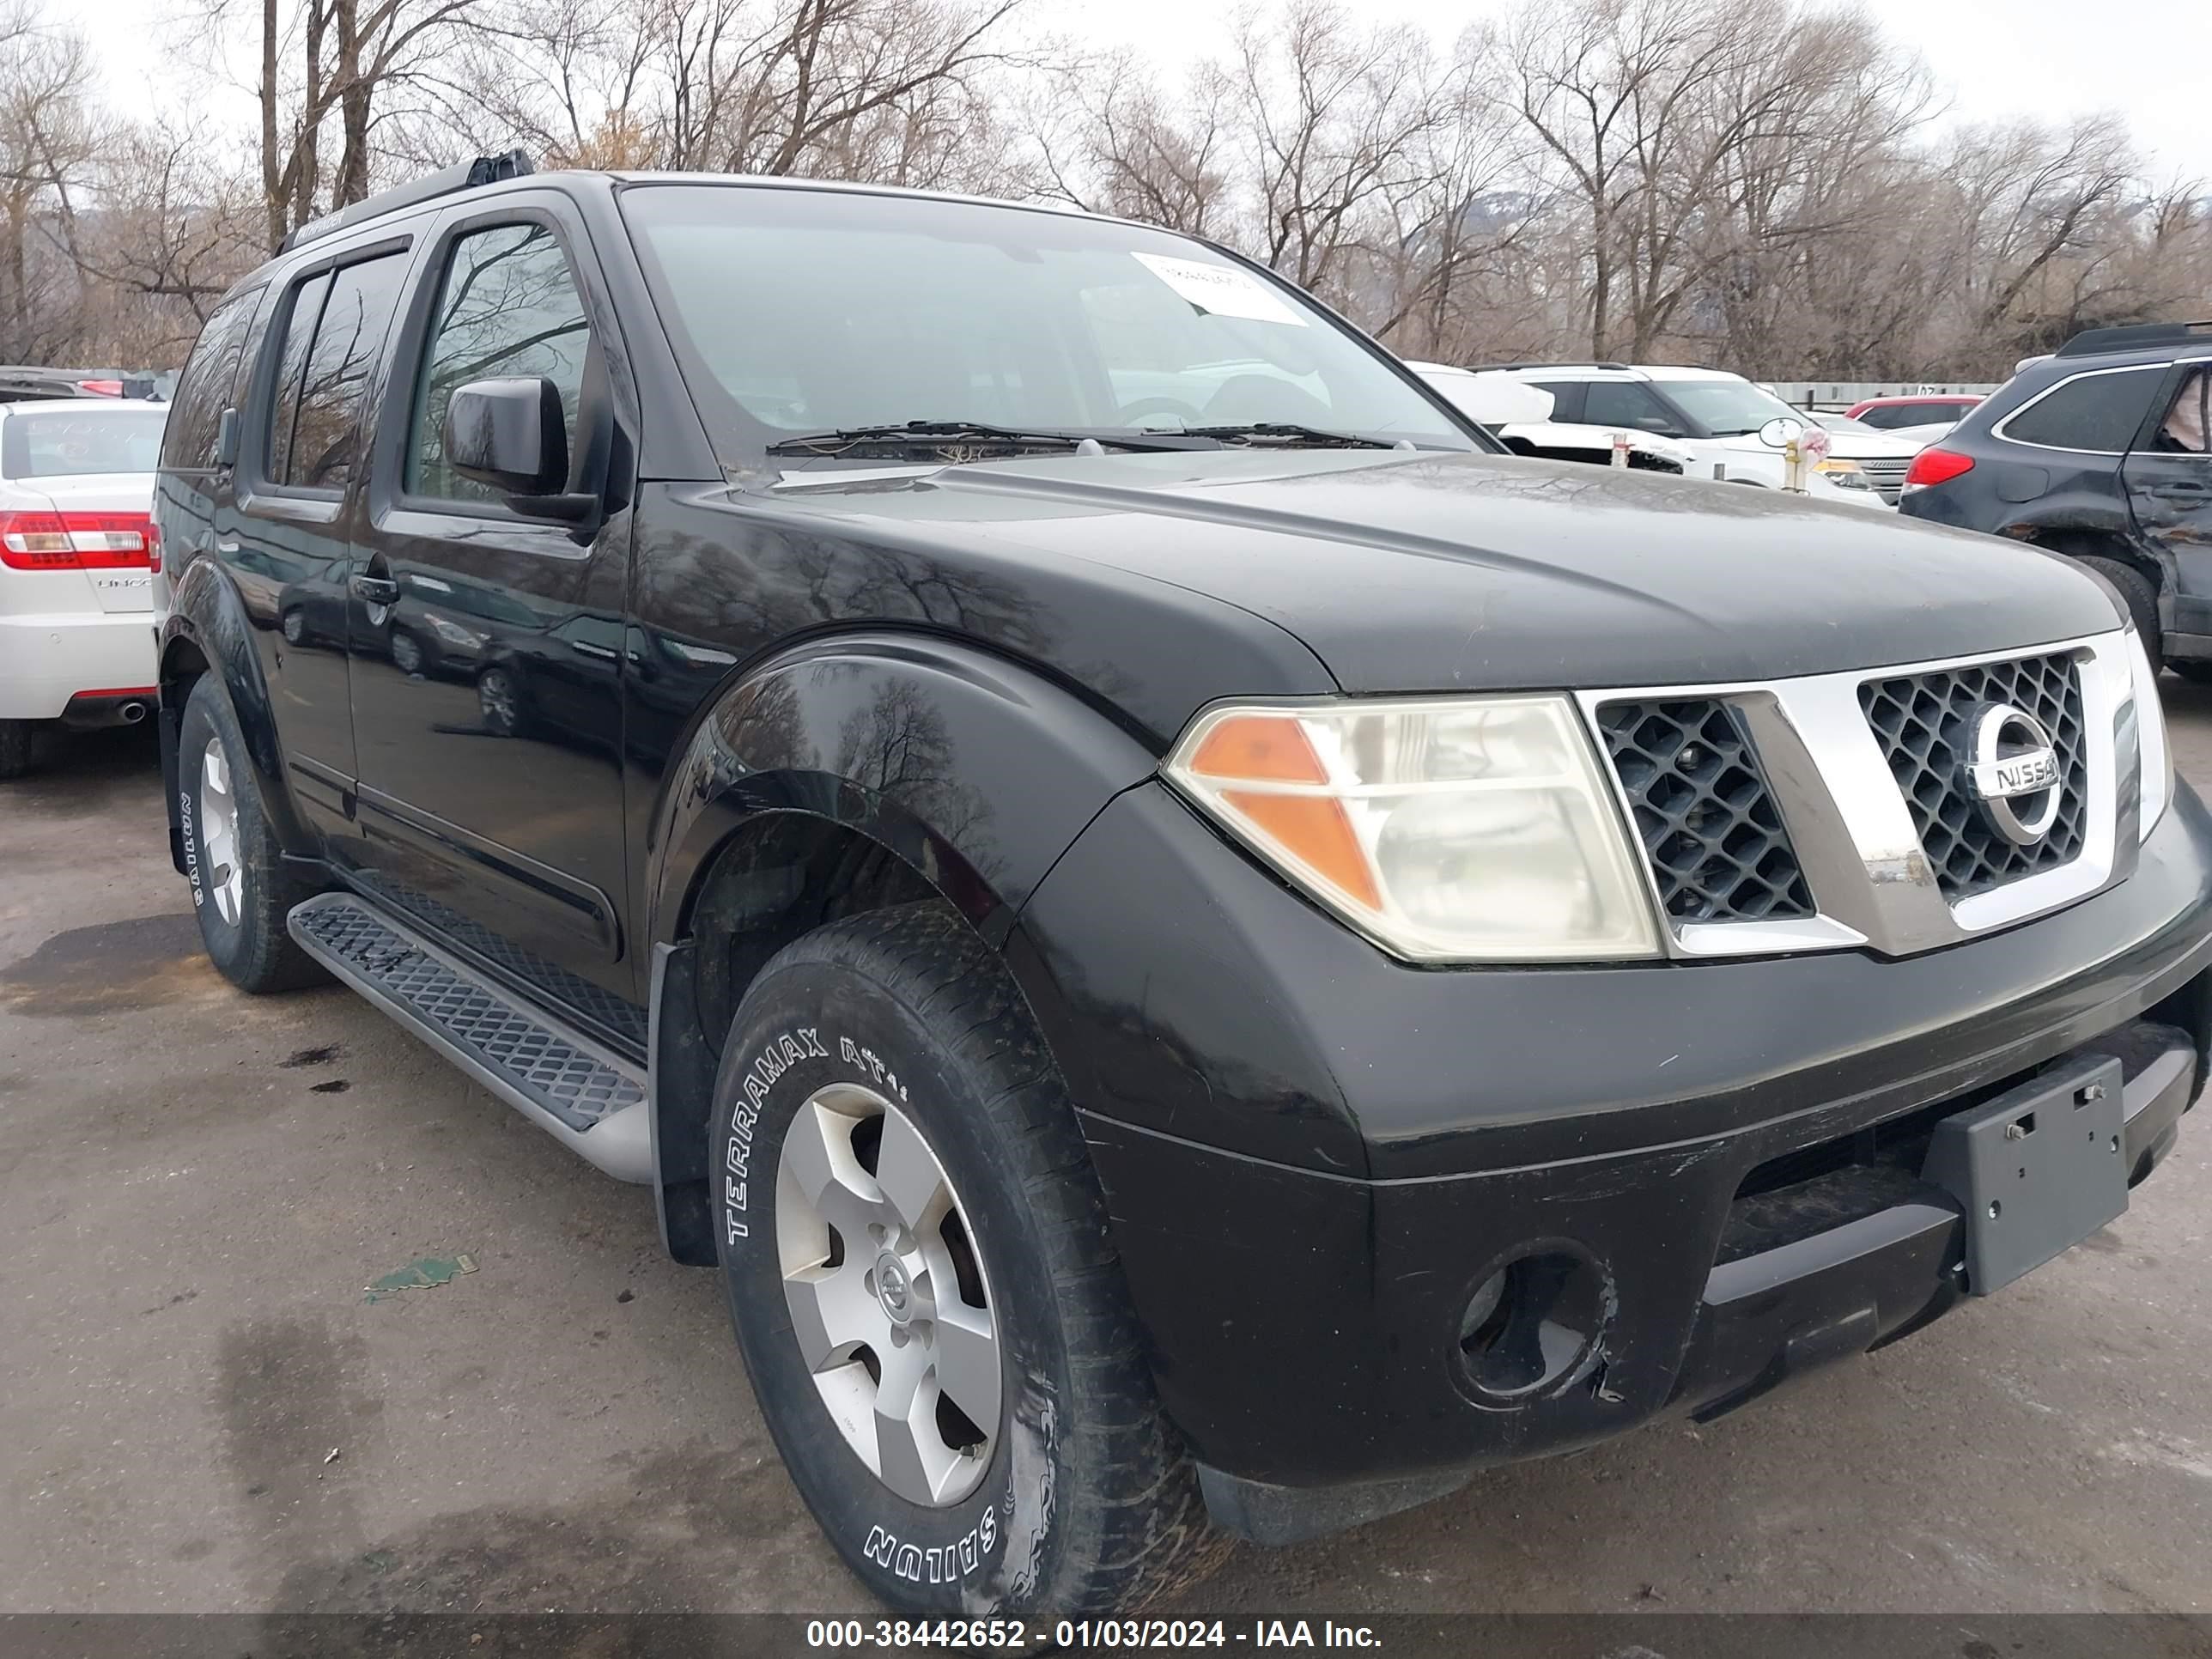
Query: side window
<point x="204" y="391"/>
<point x="2097" y="412"/>
<point x="357" y="316"/>
<point x="1885" y="417"/>
<point x="1566" y="400"/>
<point x="508" y="305"/>
<point x="300" y="317"/>
<point x="2187" y="427"/>
<point x="1624" y="404"/>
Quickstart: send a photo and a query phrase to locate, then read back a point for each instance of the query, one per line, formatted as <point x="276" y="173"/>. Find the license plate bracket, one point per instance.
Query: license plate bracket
<point x="2037" y="1170"/>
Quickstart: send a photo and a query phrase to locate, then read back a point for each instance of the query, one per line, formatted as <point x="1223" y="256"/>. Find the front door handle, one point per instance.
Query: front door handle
<point x="376" y="590"/>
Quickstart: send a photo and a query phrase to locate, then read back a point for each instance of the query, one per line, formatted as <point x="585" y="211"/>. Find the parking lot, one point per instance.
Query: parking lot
<point x="201" y="1409"/>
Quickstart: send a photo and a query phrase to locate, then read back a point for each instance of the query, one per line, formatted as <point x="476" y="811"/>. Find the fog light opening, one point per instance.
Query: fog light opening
<point x="1528" y="1325"/>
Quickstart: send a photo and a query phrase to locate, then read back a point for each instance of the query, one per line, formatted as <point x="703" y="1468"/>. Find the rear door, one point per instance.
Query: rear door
<point x="486" y="695"/>
<point x="2168" y="475"/>
<point x="299" y="462"/>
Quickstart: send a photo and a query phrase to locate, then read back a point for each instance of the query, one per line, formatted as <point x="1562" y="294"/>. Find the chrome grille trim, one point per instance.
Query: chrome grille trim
<point x="1886" y="474"/>
<point x="1847" y="819"/>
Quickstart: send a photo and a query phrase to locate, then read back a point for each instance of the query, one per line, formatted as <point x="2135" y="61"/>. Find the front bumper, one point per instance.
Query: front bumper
<point x="1313" y="1155"/>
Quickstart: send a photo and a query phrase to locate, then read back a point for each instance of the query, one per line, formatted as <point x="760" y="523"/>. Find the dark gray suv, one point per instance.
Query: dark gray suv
<point x="2101" y="452"/>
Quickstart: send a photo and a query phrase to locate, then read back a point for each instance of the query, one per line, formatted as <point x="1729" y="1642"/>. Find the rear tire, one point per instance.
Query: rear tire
<point x="23" y="746"/>
<point x="241" y="889"/>
<point x="2139" y="597"/>
<point x="1076" y="1497"/>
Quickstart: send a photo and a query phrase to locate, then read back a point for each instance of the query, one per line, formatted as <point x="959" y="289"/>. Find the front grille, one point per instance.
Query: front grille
<point x="1709" y="823"/>
<point x="1887" y="475"/>
<point x="1924" y="724"/>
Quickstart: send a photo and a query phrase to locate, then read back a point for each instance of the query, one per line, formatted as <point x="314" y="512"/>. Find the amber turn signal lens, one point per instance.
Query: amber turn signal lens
<point x="1260" y="749"/>
<point x="1316" y="830"/>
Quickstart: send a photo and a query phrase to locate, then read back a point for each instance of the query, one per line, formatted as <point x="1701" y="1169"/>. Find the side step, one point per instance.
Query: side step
<point x="585" y="1098"/>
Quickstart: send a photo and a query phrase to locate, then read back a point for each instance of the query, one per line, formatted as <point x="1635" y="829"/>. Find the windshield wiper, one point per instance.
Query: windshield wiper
<point x="1287" y="435"/>
<point x="897" y="438"/>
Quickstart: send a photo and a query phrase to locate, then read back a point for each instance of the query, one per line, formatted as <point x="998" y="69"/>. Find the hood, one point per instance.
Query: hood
<point x="1424" y="572"/>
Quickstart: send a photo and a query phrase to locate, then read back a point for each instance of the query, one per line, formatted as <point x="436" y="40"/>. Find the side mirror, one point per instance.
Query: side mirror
<point x="226" y="439"/>
<point x="512" y="435"/>
<point x="1778" y="432"/>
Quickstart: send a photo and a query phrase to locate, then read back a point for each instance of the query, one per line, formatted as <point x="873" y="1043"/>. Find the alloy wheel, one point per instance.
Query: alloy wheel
<point x="226" y="873"/>
<point x="888" y="1298"/>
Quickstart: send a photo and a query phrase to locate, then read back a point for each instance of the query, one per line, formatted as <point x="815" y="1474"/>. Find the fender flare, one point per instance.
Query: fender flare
<point x="979" y="773"/>
<point x="974" y="771"/>
<point x="206" y="613"/>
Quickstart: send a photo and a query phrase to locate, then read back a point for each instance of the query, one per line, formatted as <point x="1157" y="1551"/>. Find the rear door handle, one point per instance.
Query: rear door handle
<point x="376" y="590"/>
<point x="2186" y="488"/>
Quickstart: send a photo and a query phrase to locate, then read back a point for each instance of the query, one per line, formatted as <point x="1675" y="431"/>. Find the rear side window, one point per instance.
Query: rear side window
<point x="2101" y="413"/>
<point x="204" y="391"/>
<point x="1566" y="400"/>
<point x="508" y="307"/>
<point x="71" y="441"/>
<point x="356" y="314"/>
<point x="305" y="311"/>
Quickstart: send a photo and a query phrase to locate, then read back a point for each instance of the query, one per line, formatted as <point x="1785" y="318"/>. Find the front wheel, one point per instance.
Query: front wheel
<point x="916" y="1257"/>
<point x="241" y="891"/>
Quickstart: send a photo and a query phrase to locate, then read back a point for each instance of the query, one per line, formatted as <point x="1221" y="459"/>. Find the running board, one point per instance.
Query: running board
<point x="585" y="1098"/>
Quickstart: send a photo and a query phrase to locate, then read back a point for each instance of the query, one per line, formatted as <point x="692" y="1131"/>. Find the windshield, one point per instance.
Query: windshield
<point x="1727" y="409"/>
<point x="70" y="440"/>
<point x="818" y="311"/>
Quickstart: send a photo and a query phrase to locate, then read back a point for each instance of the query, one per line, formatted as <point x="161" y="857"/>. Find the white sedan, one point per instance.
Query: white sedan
<point x="77" y="551"/>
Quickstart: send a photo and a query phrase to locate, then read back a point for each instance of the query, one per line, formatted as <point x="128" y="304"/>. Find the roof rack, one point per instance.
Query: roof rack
<point x="2139" y="337"/>
<point x="1584" y="363"/>
<point x="465" y="175"/>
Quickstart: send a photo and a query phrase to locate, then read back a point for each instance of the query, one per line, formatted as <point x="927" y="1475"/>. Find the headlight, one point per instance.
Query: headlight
<point x="453" y="633"/>
<point x="2157" y="772"/>
<point x="1844" y="475"/>
<point x="1478" y="830"/>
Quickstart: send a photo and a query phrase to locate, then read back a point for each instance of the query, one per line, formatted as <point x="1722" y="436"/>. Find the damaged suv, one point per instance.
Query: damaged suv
<point x="1204" y="953"/>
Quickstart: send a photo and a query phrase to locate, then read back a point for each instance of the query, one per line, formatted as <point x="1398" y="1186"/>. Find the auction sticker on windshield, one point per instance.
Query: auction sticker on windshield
<point x="1221" y="290"/>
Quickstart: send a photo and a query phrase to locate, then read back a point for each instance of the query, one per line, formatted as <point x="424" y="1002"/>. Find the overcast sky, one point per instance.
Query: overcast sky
<point x="2150" y="60"/>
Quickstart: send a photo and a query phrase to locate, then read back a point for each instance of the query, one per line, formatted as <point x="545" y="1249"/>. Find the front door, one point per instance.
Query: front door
<point x="486" y="692"/>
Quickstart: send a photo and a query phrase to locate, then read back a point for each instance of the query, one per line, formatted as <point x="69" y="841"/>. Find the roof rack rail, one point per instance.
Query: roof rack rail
<point x="2137" y="337"/>
<point x="1568" y="363"/>
<point x="465" y="175"/>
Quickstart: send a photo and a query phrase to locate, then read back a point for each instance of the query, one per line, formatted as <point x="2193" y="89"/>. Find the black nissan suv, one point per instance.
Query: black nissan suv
<point x="1204" y="953"/>
<point x="2101" y="452"/>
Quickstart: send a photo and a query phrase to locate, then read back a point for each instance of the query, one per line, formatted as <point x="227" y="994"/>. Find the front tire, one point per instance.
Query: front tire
<point x="241" y="890"/>
<point x="899" y="1170"/>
